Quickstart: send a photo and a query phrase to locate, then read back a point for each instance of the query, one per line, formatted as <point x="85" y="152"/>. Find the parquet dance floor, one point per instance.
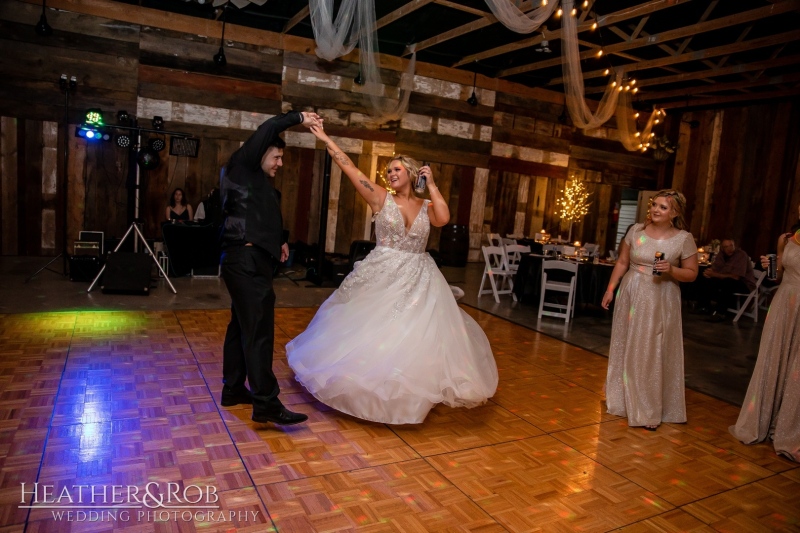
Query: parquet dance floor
<point x="131" y="399"/>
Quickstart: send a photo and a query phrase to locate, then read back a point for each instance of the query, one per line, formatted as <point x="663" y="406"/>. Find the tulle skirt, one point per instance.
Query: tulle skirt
<point x="391" y="343"/>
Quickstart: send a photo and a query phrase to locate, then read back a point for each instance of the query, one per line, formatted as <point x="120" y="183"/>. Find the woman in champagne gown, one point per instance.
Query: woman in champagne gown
<point x="391" y="342"/>
<point x="771" y="406"/>
<point x="645" y="360"/>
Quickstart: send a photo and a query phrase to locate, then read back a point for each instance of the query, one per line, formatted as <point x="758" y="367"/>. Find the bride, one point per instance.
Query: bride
<point x="391" y="342"/>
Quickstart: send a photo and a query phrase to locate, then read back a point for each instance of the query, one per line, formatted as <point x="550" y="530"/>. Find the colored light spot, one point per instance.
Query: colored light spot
<point x="642" y="239"/>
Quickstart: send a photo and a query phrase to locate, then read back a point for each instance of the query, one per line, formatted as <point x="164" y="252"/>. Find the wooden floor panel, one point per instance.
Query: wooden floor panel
<point x="131" y="398"/>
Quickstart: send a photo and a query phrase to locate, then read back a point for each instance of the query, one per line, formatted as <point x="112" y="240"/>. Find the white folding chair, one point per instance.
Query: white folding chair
<point x="494" y="239"/>
<point x="514" y="255"/>
<point x="562" y="311"/>
<point x="509" y="240"/>
<point x="765" y="296"/>
<point x="500" y="277"/>
<point x="751" y="298"/>
<point x="591" y="249"/>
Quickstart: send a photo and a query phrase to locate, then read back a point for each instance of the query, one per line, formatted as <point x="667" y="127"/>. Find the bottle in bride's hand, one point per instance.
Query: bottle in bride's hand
<point x="419" y="186"/>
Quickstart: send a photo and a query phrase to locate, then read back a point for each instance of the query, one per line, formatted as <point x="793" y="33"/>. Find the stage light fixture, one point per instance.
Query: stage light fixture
<point x="158" y="123"/>
<point x="123" y="118"/>
<point x="157" y="144"/>
<point x="94" y="117"/>
<point x="92" y="133"/>
<point x="148" y="159"/>
<point x="184" y="146"/>
<point x="219" y="58"/>
<point x="123" y="141"/>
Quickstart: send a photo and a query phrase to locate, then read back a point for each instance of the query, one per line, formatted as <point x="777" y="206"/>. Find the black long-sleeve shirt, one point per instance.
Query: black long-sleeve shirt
<point x="250" y="203"/>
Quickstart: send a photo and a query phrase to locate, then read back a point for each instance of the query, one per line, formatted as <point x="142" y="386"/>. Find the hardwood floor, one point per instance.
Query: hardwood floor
<point x="131" y="398"/>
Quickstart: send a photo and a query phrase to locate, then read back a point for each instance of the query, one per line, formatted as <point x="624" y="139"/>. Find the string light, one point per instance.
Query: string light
<point x="620" y="88"/>
<point x="633" y="82"/>
<point x="636" y="134"/>
<point x="627" y="87"/>
<point x="594" y="26"/>
<point x="606" y="72"/>
<point x="600" y="53"/>
<point x="559" y="12"/>
<point x="657" y="121"/>
<point x="613" y="84"/>
<point x="635" y="90"/>
<point x="544" y="2"/>
<point x="636" y="115"/>
<point x="585" y="4"/>
<point x="573" y="12"/>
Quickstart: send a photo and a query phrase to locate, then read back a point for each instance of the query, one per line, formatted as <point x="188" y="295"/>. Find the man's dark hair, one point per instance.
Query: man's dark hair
<point x="277" y="143"/>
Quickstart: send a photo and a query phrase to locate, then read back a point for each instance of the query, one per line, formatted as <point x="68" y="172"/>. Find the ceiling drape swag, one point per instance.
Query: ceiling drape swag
<point x="355" y="24"/>
<point x="580" y="113"/>
<point x="516" y="20"/>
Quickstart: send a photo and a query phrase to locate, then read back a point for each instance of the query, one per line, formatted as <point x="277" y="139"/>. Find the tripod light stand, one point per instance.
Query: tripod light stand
<point x="68" y="84"/>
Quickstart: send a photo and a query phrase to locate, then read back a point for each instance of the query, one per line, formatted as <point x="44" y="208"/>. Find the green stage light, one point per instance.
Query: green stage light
<point x="94" y="117"/>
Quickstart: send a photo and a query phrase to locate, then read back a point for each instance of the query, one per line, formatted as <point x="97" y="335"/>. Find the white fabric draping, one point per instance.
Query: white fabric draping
<point x="582" y="116"/>
<point x="516" y="20"/>
<point x="239" y="3"/>
<point x="355" y="24"/>
<point x="626" y="124"/>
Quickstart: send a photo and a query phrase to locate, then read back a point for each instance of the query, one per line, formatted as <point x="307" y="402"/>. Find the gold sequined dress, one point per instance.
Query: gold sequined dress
<point x="771" y="408"/>
<point x="645" y="360"/>
<point x="391" y="342"/>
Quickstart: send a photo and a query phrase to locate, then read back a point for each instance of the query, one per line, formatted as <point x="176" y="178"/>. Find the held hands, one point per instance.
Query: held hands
<point x="319" y="133"/>
<point x="311" y="119"/>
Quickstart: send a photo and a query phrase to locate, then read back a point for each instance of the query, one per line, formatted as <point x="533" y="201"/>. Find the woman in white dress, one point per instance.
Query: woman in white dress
<point x="391" y="342"/>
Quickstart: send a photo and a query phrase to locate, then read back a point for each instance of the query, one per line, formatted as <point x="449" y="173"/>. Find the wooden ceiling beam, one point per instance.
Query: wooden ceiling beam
<point x="670" y="35"/>
<point x="459" y="7"/>
<point x="296" y="19"/>
<point x="721" y="100"/>
<point x="699" y="55"/>
<point x="487" y="19"/>
<point x="732" y="86"/>
<point x="399" y="13"/>
<point x="604" y="20"/>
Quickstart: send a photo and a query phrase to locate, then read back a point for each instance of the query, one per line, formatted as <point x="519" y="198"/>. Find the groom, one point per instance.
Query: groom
<point x="253" y="244"/>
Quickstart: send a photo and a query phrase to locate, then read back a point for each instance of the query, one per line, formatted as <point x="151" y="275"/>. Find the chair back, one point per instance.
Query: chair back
<point x="494" y="239"/>
<point x="569" y="266"/>
<point x="508" y="240"/>
<point x="590" y="248"/>
<point x="495" y="258"/>
<point x="514" y="254"/>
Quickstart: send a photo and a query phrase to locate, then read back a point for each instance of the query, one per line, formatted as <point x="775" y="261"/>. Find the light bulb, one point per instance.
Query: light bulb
<point x="619" y="88"/>
<point x="559" y="12"/>
<point x="606" y="72"/>
<point x="594" y="26"/>
<point x="635" y="89"/>
<point x="633" y="82"/>
<point x="657" y="121"/>
<point x="585" y="4"/>
<point x="627" y="87"/>
<point x="636" y="115"/>
<point x="636" y="134"/>
<point x="613" y="84"/>
<point x="573" y="12"/>
<point x="544" y="2"/>
<point x="600" y="53"/>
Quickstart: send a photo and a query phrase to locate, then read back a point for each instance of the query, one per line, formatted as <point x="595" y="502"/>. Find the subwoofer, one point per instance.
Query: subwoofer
<point x="127" y="273"/>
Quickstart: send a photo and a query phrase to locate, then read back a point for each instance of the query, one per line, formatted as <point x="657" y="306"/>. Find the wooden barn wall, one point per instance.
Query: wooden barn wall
<point x="739" y="171"/>
<point x="500" y="165"/>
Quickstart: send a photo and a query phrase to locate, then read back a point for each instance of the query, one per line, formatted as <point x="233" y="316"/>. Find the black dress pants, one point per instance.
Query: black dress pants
<point x="249" y="341"/>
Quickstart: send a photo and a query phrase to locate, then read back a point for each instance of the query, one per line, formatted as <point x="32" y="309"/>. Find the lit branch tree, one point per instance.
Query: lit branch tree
<point x="574" y="204"/>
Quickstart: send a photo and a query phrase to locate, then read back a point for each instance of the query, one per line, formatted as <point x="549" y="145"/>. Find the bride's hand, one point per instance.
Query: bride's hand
<point x="319" y="133"/>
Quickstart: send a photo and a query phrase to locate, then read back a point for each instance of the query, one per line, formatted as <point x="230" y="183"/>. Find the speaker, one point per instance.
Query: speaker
<point x="83" y="267"/>
<point x="127" y="273"/>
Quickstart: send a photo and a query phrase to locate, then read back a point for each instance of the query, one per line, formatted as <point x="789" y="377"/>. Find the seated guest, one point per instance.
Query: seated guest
<point x="179" y="210"/>
<point x="209" y="209"/>
<point x="730" y="273"/>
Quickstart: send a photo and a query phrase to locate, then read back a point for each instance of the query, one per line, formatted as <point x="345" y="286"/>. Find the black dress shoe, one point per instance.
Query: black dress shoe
<point x="284" y="417"/>
<point x="229" y="399"/>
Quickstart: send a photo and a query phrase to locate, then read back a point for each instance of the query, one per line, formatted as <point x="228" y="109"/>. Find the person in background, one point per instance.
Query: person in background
<point x="179" y="210"/>
<point x="771" y="408"/>
<point x="210" y="209"/>
<point x="731" y="273"/>
<point x="645" y="380"/>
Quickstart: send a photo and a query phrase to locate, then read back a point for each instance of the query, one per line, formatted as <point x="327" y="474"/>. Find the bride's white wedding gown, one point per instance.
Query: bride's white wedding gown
<point x="391" y="342"/>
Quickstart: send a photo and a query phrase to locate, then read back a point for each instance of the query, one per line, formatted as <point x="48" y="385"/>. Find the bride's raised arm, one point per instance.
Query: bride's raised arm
<point x="372" y="193"/>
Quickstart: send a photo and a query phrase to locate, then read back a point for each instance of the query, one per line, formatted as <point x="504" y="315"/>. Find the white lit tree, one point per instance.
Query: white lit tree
<point x="574" y="204"/>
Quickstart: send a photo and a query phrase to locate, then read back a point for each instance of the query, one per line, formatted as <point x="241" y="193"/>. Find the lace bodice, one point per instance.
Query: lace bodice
<point x="390" y="229"/>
